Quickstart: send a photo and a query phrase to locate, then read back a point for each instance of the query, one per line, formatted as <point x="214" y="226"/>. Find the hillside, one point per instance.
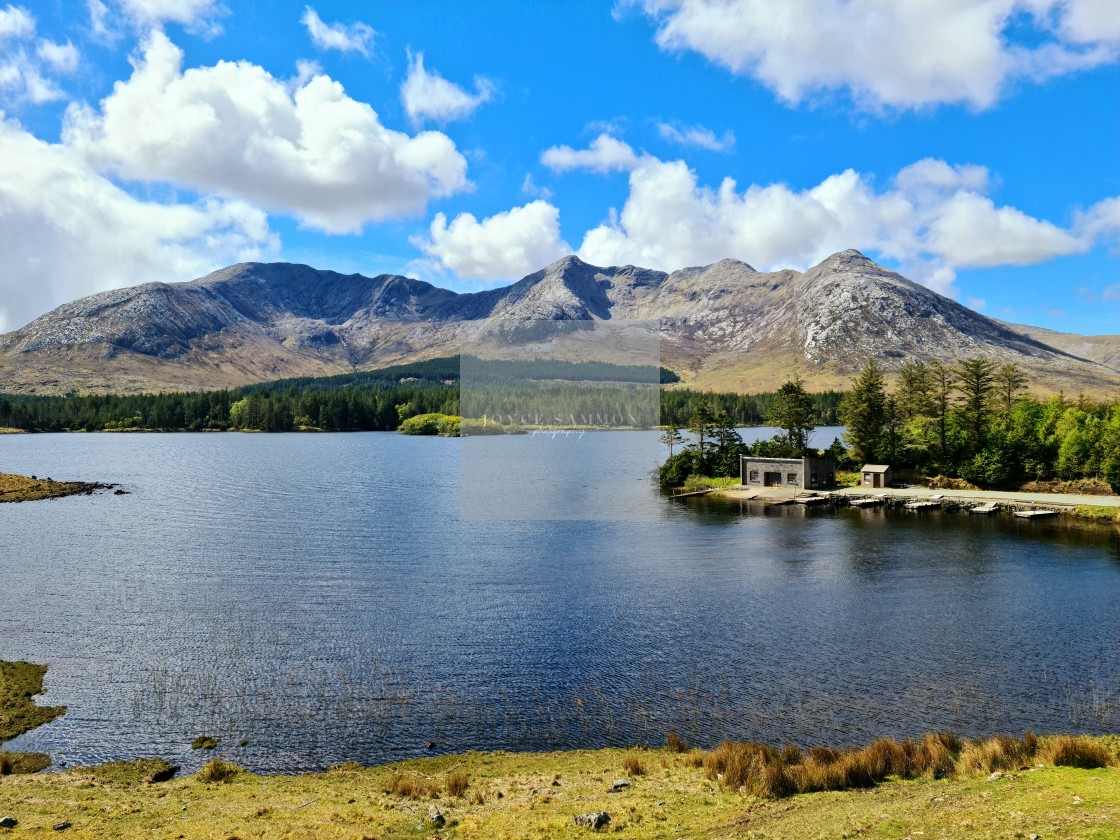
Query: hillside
<point x="723" y="326"/>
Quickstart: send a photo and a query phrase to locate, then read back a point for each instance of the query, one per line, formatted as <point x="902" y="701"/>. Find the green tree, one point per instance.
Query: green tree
<point x="729" y="447"/>
<point x="976" y="381"/>
<point x="792" y="411"/>
<point x="671" y="437"/>
<point x="941" y="403"/>
<point x="1010" y="382"/>
<point x="700" y="424"/>
<point x="863" y="412"/>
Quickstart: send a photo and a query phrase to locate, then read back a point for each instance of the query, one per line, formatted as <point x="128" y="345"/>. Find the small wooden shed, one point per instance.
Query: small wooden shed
<point x="875" y="475"/>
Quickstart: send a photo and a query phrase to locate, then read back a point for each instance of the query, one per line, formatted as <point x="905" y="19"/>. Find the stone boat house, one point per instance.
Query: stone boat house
<point x="791" y="473"/>
<point x="873" y="476"/>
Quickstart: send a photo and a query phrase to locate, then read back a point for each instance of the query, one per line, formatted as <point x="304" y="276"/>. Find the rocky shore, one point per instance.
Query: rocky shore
<point x="22" y="488"/>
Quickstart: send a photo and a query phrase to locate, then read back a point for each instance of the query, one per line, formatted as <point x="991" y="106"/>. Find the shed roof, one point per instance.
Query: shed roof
<point x="875" y="467"/>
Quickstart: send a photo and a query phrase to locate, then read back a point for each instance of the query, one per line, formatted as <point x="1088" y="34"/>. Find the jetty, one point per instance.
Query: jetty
<point x="923" y="505"/>
<point x="867" y="501"/>
<point x="986" y="509"/>
<point x="1035" y="514"/>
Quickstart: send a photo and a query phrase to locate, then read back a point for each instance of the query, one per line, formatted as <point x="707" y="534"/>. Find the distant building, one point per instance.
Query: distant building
<point x="875" y="475"/>
<point x="793" y="473"/>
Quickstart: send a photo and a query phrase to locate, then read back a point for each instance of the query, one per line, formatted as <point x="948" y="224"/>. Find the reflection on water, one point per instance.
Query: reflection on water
<point x="319" y="596"/>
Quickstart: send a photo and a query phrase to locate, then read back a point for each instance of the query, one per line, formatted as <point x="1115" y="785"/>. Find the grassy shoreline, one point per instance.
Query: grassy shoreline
<point x="940" y="786"/>
<point x="647" y="793"/>
<point x="22" y="488"/>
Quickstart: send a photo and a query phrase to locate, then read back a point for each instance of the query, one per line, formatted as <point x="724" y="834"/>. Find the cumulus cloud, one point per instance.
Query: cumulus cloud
<point x="16" y="23"/>
<point x="353" y="37"/>
<point x="892" y="55"/>
<point x="933" y="218"/>
<point x="698" y="136"/>
<point x="426" y="95"/>
<point x="605" y="154"/>
<point x="195" y="15"/>
<point x="301" y="147"/>
<point x="25" y="72"/>
<point x="504" y="246"/>
<point x="61" y="57"/>
<point x="68" y="231"/>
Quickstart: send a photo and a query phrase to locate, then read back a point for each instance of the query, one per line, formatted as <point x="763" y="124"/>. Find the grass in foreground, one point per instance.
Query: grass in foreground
<point x="675" y="794"/>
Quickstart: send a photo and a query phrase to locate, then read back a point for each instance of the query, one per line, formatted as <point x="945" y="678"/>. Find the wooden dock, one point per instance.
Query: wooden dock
<point x="922" y="505"/>
<point x="1035" y="514"/>
<point x="866" y="502"/>
<point x="986" y="509"/>
<point x="812" y="500"/>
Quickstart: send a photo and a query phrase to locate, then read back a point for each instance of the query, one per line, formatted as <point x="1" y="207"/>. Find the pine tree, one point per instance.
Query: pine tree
<point x="863" y="412"/>
<point x="792" y="411"/>
<point x="976" y="382"/>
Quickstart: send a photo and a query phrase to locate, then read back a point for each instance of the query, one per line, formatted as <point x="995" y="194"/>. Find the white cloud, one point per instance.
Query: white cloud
<point x="1111" y="293"/>
<point x="979" y="304"/>
<point x="697" y="135"/>
<point x="530" y="188"/>
<point x="16" y="23"/>
<point x="68" y="231"/>
<point x="24" y="73"/>
<point x="63" y="58"/>
<point x="933" y="219"/>
<point x="195" y="15"/>
<point x="303" y="148"/>
<point x="426" y="95"/>
<point x="1101" y="221"/>
<point x="353" y="37"/>
<point x="21" y="80"/>
<point x="99" y="20"/>
<point x="504" y="246"/>
<point x="896" y="54"/>
<point x="606" y="154"/>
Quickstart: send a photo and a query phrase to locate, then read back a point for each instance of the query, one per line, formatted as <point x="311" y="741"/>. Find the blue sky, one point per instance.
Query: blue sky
<point x="970" y="145"/>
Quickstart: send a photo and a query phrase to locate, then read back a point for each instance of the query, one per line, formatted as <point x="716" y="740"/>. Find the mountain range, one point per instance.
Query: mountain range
<point x="724" y="326"/>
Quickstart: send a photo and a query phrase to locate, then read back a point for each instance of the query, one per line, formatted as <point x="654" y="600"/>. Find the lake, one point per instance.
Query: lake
<point x="325" y="597"/>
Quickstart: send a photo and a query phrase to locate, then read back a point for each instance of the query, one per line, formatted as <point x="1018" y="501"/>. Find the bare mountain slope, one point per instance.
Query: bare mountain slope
<point x="723" y="326"/>
<point x="1102" y="349"/>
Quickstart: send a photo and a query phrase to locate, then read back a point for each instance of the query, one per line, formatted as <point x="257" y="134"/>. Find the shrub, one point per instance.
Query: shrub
<point x="205" y="742"/>
<point x="1067" y="751"/>
<point x="457" y="782"/>
<point x="632" y="764"/>
<point x="676" y="470"/>
<point x="999" y="752"/>
<point x="936" y="755"/>
<point x="411" y="787"/>
<point x="217" y="771"/>
<point x="675" y="743"/>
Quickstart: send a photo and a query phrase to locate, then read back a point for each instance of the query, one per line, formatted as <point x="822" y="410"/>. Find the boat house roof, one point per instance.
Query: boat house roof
<point x="873" y="468"/>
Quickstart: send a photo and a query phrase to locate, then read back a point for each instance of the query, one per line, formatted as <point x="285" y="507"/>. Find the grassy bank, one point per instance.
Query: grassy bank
<point x="22" y="488"/>
<point x="19" y="683"/>
<point x="939" y="786"/>
<point x="667" y="794"/>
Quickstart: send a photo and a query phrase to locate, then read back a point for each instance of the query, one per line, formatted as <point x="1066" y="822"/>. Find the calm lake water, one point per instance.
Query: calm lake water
<point x="323" y="598"/>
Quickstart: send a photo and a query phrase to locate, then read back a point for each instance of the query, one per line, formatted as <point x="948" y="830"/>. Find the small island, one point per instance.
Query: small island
<point x="22" y="488"/>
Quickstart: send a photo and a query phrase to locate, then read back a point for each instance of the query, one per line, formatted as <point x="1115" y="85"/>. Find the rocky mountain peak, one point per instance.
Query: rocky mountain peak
<point x="724" y="325"/>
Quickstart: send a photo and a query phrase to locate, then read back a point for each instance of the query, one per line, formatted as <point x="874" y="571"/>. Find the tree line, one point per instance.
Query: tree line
<point x="975" y="421"/>
<point x="379" y="407"/>
<point x="972" y="420"/>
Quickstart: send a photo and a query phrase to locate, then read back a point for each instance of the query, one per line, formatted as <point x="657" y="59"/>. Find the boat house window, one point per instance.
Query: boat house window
<point x="791" y="478"/>
<point x="754" y="475"/>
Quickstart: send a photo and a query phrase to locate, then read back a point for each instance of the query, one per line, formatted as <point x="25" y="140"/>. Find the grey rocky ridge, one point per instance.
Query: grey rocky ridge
<point x="724" y="326"/>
